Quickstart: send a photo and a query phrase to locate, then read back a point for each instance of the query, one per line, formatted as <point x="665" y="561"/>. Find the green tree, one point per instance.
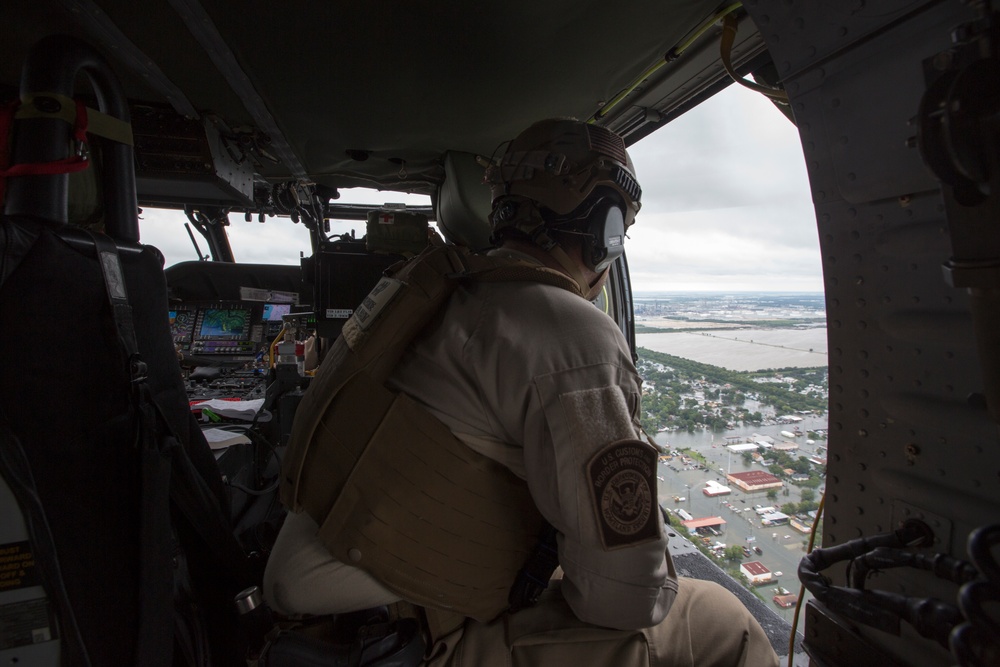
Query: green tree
<point x="772" y="494"/>
<point x="808" y="495"/>
<point x="733" y="552"/>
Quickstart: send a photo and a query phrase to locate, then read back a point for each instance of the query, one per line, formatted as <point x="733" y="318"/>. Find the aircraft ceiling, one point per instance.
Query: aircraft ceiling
<point x="374" y="93"/>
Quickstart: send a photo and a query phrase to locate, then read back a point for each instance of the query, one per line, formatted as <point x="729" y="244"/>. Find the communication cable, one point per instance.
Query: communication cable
<point x="802" y="586"/>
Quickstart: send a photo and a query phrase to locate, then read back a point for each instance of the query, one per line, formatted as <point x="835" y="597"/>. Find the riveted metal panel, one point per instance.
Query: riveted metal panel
<point x="909" y="435"/>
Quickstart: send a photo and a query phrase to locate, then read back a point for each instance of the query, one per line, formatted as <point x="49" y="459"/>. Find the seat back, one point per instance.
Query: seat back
<point x="125" y="510"/>
<point x="463" y="202"/>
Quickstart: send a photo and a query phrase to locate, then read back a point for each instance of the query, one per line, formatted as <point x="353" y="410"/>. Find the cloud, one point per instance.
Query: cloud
<point x="726" y="202"/>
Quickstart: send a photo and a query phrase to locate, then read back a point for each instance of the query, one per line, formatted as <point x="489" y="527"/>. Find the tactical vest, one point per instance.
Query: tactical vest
<point x="393" y="491"/>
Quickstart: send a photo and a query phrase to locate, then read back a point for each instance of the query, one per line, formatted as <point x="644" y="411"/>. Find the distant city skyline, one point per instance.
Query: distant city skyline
<point x="726" y="208"/>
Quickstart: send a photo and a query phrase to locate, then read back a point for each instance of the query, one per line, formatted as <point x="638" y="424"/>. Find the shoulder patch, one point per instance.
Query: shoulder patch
<point x="622" y="481"/>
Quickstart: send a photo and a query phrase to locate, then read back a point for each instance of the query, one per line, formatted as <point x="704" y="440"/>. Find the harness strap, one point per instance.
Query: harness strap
<point x="168" y="478"/>
<point x="154" y="646"/>
<point x="524" y="272"/>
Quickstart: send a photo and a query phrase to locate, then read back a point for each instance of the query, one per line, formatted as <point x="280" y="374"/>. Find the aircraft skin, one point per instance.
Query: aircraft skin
<point x="895" y="103"/>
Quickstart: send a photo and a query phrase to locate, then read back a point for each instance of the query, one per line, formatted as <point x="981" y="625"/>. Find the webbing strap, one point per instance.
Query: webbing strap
<point x="524" y="272"/>
<point x="187" y="489"/>
<point x="121" y="310"/>
<point x="168" y="477"/>
<point x="97" y="123"/>
<point x="487" y="268"/>
<point x="153" y="645"/>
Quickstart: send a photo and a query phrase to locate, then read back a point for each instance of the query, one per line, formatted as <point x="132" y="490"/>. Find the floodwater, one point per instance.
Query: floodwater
<point x="744" y="349"/>
<point x="703" y="439"/>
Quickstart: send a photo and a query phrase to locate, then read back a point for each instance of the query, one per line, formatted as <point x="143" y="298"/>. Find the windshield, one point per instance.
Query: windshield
<point x="277" y="240"/>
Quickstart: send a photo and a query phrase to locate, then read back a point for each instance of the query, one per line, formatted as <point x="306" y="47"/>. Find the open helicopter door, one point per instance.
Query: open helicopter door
<point x="115" y="547"/>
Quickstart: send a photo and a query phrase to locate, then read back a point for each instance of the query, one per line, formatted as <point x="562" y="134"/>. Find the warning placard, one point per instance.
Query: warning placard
<point x="24" y="623"/>
<point x="17" y="566"/>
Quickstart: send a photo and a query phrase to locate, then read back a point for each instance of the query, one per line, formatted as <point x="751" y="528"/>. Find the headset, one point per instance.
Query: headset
<point x="601" y="221"/>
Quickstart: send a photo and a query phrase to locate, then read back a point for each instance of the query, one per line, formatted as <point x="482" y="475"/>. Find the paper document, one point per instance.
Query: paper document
<point x="219" y="438"/>
<point x="245" y="410"/>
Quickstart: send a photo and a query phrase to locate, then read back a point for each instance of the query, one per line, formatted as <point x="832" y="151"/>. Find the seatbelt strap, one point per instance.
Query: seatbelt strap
<point x="168" y="473"/>
<point x="187" y="489"/>
<point x="121" y="310"/>
<point x="154" y="644"/>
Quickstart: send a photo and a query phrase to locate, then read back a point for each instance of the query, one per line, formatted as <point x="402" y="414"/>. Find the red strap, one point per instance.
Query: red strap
<point x="74" y="163"/>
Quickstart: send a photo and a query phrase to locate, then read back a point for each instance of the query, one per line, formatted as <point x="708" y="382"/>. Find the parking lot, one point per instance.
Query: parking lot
<point x="680" y="488"/>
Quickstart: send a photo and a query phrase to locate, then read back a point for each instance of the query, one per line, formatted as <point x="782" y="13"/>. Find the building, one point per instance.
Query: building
<point x="800" y="526"/>
<point x="774" y="519"/>
<point x="755" y="480"/>
<point x="701" y="525"/>
<point x="785" y="446"/>
<point x="788" y="419"/>
<point x="739" y="449"/>
<point x="713" y="488"/>
<point x="756" y="573"/>
<point x="785" y="601"/>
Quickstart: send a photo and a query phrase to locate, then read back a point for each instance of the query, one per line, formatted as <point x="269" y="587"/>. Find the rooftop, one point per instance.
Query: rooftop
<point x="754" y="568"/>
<point x="754" y="477"/>
<point x="704" y="522"/>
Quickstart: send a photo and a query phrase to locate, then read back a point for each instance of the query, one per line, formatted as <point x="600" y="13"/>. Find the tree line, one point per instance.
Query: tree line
<point x="667" y="405"/>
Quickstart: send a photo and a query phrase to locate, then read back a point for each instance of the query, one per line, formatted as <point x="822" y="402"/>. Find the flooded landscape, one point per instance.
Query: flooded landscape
<point x="744" y="349"/>
<point x="748" y="336"/>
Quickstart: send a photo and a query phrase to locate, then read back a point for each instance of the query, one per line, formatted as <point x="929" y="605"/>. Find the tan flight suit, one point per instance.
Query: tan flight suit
<point x="536" y="378"/>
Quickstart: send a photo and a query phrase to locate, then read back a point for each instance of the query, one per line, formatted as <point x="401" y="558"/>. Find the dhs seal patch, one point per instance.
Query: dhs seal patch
<point x="622" y="480"/>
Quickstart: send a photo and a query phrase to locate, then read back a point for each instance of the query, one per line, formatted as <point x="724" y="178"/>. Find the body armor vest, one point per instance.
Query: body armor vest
<point x="393" y="491"/>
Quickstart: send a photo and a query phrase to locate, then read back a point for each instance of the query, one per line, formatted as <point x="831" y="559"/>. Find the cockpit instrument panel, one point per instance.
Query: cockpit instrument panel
<point x="182" y="326"/>
<point x="271" y="318"/>
<point x="227" y="328"/>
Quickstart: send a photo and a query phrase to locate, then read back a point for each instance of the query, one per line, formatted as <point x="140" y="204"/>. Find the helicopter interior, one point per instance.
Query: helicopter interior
<point x="214" y="107"/>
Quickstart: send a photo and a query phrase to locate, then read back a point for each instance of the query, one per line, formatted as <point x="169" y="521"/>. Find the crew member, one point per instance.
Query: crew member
<point x="525" y="372"/>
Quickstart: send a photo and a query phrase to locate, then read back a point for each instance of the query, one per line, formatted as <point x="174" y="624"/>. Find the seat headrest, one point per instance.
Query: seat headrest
<point x="463" y="202"/>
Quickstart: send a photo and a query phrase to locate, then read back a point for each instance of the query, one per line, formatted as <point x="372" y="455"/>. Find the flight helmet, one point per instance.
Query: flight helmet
<point x="566" y="175"/>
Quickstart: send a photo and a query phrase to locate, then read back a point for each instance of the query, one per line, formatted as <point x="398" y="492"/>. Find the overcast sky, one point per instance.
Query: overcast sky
<point x="725" y="207"/>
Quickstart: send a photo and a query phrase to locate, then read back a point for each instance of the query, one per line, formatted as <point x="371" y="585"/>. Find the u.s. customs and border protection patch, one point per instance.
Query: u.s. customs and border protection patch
<point x="622" y="479"/>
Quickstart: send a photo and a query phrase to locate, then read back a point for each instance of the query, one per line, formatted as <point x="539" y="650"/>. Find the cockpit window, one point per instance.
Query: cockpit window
<point x="276" y="240"/>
